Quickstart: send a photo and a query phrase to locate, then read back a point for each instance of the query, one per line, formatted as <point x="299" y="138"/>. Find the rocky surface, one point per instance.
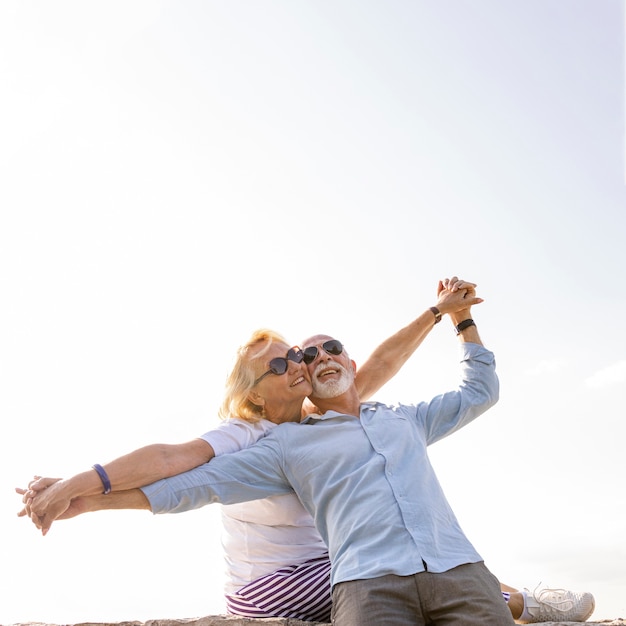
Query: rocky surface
<point x="227" y="620"/>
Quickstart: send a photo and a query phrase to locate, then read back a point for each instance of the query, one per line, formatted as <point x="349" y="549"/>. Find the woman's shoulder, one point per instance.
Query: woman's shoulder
<point x="236" y="434"/>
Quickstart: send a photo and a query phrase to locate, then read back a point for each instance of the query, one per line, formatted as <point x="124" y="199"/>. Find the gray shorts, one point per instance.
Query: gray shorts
<point x="468" y="595"/>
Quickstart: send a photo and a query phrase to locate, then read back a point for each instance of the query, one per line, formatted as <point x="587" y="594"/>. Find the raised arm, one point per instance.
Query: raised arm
<point x="454" y="297"/>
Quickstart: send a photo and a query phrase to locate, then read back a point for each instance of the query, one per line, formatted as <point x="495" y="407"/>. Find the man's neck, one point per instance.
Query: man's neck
<point x="347" y="403"/>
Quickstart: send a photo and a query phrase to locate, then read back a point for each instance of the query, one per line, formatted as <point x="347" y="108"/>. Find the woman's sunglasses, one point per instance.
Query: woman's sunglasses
<point x="332" y="346"/>
<point x="280" y="364"/>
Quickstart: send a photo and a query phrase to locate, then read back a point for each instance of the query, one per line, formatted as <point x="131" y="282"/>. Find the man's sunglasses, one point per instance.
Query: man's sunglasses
<point x="332" y="346"/>
<point x="280" y="364"/>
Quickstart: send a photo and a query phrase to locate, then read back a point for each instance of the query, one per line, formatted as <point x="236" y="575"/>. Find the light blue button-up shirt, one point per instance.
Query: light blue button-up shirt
<point x="367" y="481"/>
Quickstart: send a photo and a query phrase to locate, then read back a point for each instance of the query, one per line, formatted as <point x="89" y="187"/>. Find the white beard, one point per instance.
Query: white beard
<point x="333" y="387"/>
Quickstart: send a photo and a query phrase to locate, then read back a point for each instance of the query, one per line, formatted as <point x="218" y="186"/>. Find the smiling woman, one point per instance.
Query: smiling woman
<point x="251" y="393"/>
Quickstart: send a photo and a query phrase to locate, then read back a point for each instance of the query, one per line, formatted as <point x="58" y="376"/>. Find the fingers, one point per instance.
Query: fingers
<point x="26" y="501"/>
<point x="449" y="282"/>
<point x="34" y="518"/>
<point x="462" y="284"/>
<point x="22" y="492"/>
<point x="33" y="481"/>
<point x="40" y="483"/>
<point x="27" y="495"/>
<point x="456" y="284"/>
<point x="44" y="527"/>
<point x="42" y="522"/>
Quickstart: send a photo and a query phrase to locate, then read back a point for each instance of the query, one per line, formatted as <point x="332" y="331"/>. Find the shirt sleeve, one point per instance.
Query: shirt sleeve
<point x="250" y="474"/>
<point x="235" y="434"/>
<point x="478" y="391"/>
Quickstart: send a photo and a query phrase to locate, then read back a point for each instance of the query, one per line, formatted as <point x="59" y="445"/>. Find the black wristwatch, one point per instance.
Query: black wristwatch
<point x="461" y="326"/>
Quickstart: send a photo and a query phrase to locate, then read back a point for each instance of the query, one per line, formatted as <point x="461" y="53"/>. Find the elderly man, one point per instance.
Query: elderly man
<point x="399" y="556"/>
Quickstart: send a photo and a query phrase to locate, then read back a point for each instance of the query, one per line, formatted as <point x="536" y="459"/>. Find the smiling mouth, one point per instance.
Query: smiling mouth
<point x="328" y="372"/>
<point x="297" y="381"/>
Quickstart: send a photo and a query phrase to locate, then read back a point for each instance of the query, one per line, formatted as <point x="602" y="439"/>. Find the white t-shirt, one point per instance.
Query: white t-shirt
<point x="261" y="536"/>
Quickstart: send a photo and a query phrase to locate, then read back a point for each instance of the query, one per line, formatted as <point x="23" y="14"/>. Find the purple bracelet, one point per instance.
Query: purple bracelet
<point x="104" y="478"/>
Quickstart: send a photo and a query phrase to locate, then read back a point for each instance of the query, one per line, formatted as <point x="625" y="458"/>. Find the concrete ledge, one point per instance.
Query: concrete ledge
<point x="229" y="620"/>
<point x="209" y="620"/>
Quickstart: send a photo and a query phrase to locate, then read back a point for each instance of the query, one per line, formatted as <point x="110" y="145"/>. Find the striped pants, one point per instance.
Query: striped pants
<point x="298" y="591"/>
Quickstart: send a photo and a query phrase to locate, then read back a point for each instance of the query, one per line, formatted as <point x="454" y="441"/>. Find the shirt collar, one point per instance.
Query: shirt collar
<point x="317" y="417"/>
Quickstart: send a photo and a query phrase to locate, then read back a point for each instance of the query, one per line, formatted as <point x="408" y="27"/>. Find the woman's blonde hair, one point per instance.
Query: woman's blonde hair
<point x="241" y="379"/>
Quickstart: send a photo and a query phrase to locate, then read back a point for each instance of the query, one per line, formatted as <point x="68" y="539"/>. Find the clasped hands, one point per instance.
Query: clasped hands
<point x="44" y="502"/>
<point x="455" y="295"/>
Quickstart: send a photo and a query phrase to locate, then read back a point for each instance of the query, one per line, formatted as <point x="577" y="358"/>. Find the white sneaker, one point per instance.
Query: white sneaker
<point x="558" y="605"/>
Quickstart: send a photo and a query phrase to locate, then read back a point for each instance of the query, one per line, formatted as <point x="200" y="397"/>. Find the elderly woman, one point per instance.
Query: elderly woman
<point x="277" y="563"/>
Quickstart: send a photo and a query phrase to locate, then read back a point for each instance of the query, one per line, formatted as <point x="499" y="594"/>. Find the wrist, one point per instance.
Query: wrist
<point x="458" y="316"/>
<point x="437" y="313"/>
<point x="464" y="325"/>
<point x="91" y="504"/>
<point x="64" y="489"/>
<point x="104" y="478"/>
<point x="83" y="484"/>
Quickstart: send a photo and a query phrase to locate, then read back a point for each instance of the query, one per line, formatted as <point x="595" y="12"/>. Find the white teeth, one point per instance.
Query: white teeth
<point x="297" y="381"/>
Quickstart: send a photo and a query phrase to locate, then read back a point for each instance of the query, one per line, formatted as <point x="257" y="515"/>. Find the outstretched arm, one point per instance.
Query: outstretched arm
<point x="47" y="499"/>
<point x="454" y="297"/>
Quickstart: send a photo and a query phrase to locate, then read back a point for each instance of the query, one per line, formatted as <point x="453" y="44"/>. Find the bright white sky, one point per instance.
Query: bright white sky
<point x="177" y="174"/>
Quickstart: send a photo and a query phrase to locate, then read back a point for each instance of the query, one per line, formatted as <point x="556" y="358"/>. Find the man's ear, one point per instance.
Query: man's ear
<point x="256" y="398"/>
<point x="353" y="366"/>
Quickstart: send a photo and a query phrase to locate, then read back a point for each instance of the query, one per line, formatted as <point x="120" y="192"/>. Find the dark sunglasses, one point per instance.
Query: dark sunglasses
<point x="332" y="346"/>
<point x="280" y="364"/>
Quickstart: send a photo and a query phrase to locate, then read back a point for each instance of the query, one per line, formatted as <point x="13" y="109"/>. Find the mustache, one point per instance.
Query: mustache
<point x="324" y="366"/>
